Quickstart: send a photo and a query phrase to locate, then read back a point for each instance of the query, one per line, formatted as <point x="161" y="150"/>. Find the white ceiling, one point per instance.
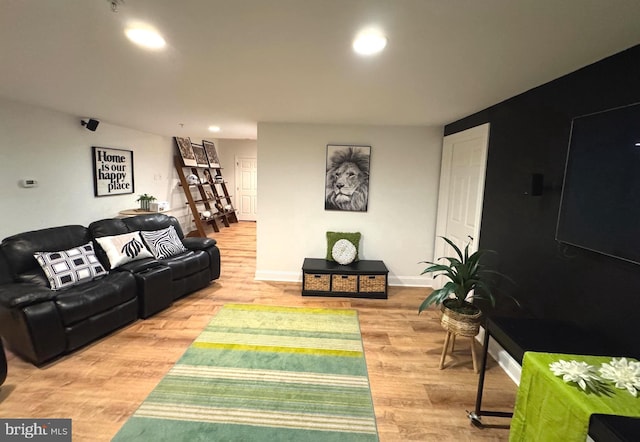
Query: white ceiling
<point x="234" y="63"/>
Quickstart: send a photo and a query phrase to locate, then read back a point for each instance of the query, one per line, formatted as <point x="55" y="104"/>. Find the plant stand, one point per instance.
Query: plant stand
<point x="451" y="337"/>
<point x="455" y="323"/>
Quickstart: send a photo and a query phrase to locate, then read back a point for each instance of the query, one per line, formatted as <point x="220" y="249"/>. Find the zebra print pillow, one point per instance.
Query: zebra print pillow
<point x="123" y="248"/>
<point x="163" y="243"/>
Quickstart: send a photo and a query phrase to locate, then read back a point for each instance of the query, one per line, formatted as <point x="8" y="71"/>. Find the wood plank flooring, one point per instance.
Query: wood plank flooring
<point x="101" y="385"/>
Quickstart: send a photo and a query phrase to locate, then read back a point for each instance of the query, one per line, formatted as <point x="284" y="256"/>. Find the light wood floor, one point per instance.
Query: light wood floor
<point x="101" y="385"/>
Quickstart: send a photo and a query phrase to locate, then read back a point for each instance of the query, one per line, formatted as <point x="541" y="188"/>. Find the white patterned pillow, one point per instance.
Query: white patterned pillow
<point x="70" y="267"/>
<point x="344" y="252"/>
<point x="124" y="248"/>
<point x="163" y="243"/>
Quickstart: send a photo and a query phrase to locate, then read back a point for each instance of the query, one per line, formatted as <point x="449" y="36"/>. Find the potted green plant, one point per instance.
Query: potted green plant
<point x="465" y="274"/>
<point x="145" y="200"/>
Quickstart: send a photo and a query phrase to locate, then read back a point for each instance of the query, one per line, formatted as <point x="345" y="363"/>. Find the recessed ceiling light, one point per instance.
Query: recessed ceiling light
<point x="145" y="37"/>
<point x="369" y="42"/>
<point x="214" y="128"/>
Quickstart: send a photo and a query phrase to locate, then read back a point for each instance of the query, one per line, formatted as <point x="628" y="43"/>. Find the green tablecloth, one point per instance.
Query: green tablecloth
<point x="549" y="409"/>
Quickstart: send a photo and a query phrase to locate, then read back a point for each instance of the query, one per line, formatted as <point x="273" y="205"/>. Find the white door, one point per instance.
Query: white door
<point x="464" y="161"/>
<point x="247" y="188"/>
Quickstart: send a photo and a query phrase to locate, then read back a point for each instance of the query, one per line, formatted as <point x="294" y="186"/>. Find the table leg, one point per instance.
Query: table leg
<point x="483" y="368"/>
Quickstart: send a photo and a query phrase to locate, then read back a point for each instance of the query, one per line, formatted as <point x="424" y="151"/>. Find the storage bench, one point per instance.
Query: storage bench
<point x="361" y="279"/>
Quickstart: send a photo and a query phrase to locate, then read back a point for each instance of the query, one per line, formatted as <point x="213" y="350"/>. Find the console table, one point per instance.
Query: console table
<point x="548" y="408"/>
<point x="361" y="279"/>
<point x="518" y="335"/>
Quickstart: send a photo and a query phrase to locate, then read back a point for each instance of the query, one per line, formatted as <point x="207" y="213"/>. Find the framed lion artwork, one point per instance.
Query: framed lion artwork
<point x="347" y="179"/>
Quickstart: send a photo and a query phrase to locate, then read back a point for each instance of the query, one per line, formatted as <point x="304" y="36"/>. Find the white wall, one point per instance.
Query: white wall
<point x="399" y="226"/>
<point x="228" y="150"/>
<point x="53" y="148"/>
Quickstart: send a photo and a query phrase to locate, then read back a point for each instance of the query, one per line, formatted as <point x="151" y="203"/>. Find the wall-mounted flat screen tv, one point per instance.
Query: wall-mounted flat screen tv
<point x="600" y="206"/>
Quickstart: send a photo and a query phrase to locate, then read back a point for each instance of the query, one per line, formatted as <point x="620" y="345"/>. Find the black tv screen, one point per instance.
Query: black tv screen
<point x="600" y="206"/>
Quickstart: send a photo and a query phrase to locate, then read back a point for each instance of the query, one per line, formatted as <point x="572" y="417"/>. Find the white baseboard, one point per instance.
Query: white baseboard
<point x="410" y="281"/>
<point x="272" y="275"/>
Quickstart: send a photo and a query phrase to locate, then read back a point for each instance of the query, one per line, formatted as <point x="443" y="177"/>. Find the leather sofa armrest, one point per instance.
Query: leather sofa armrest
<point x="17" y="295"/>
<point x="194" y="243"/>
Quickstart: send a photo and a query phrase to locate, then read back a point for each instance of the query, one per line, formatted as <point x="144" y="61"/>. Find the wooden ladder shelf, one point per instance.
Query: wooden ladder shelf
<point x="213" y="197"/>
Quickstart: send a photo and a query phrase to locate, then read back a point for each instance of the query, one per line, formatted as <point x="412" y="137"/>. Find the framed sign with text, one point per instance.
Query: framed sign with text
<point x="112" y="171"/>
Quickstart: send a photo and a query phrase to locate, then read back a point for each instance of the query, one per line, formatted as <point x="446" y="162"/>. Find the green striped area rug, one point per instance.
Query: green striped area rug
<point x="261" y="373"/>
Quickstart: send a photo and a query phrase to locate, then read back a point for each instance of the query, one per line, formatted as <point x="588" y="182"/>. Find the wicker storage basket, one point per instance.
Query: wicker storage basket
<point x="373" y="283"/>
<point x="344" y="283"/>
<point x="319" y="282"/>
<point x="460" y="324"/>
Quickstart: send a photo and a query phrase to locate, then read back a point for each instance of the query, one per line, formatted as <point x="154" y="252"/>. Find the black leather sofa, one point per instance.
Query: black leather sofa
<point x="40" y="324"/>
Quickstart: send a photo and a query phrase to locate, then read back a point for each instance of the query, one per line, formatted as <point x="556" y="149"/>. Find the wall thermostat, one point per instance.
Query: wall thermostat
<point x="29" y="182"/>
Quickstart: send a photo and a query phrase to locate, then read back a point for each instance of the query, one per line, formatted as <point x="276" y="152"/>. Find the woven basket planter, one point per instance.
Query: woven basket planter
<point x="459" y="323"/>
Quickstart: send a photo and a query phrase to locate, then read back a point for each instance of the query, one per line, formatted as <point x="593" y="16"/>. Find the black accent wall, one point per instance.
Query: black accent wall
<point x="529" y="134"/>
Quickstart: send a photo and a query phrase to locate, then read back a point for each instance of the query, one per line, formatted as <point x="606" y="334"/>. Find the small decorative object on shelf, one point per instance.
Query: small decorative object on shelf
<point x="192" y="179"/>
<point x="145" y="201"/>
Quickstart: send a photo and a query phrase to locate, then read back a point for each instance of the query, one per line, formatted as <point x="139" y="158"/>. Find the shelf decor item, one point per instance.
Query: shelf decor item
<point x="201" y="156"/>
<point x="186" y="151"/>
<point x="212" y="155"/>
<point x="145" y="201"/>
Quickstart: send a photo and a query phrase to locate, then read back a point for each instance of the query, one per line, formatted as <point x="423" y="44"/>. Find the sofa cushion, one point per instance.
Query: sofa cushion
<point x="333" y="237"/>
<point x="163" y="243"/>
<point x="121" y="249"/>
<point x="70" y="267"/>
<point x="187" y="263"/>
<point x="344" y="252"/>
<point x="85" y="300"/>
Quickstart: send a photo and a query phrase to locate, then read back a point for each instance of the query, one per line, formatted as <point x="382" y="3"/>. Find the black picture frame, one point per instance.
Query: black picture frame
<point x="212" y="154"/>
<point x="186" y="151"/>
<point x="112" y="171"/>
<point x="347" y="177"/>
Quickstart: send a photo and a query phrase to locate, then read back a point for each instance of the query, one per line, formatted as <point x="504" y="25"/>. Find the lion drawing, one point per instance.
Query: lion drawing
<point x="347" y="182"/>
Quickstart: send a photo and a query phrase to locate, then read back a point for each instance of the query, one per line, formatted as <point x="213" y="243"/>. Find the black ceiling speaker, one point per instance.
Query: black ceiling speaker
<point x="91" y="124"/>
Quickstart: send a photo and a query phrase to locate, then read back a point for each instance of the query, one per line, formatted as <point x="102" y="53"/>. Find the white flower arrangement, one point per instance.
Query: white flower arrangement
<point x="573" y="371"/>
<point x="625" y="374"/>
